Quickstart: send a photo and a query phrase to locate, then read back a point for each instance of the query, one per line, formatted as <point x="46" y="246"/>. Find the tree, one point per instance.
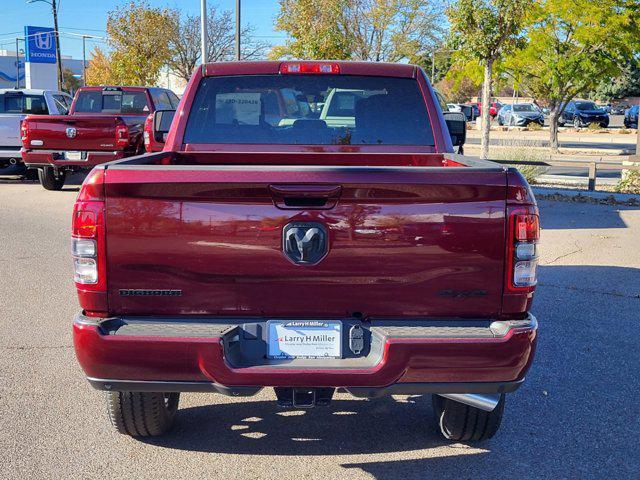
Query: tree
<point x="98" y="71"/>
<point x="314" y="30"/>
<point x="374" y="30"/>
<point x="487" y="30"/>
<point x="626" y="84"/>
<point x="137" y="36"/>
<point x="571" y="47"/>
<point x="69" y="81"/>
<point x="184" y="41"/>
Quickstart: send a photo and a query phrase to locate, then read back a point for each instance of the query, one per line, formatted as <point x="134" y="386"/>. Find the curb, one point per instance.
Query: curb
<point x="586" y="196"/>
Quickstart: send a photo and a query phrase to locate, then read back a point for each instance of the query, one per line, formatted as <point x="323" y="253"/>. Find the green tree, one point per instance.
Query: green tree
<point x="627" y="84"/>
<point x="374" y="30"/>
<point x="314" y="29"/>
<point x="487" y="30"/>
<point x="137" y="36"/>
<point x="69" y="81"/>
<point x="571" y="47"/>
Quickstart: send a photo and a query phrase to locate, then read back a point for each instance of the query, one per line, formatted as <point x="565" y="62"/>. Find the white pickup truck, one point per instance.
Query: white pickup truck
<point x="15" y="104"/>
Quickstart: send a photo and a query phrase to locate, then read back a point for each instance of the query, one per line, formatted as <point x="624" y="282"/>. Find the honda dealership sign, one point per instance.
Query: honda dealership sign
<point x="41" y="44"/>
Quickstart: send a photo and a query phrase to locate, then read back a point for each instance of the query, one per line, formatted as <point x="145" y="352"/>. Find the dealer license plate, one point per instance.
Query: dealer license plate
<point x="73" y="156"/>
<point x="304" y="339"/>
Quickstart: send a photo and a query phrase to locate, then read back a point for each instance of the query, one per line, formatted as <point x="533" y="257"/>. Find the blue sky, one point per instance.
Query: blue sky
<point x="76" y="18"/>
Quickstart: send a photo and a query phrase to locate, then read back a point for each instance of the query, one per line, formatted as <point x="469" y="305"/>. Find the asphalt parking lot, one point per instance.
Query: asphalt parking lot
<point x="577" y="416"/>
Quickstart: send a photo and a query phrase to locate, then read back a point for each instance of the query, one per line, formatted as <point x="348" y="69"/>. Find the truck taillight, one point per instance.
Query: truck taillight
<point x="24" y="133"/>
<point x="148" y="127"/>
<point x="88" y="244"/>
<point x="522" y="251"/>
<point x="309" y="67"/>
<point x="122" y="135"/>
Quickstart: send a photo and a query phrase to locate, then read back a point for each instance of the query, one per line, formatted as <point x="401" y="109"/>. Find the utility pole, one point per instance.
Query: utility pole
<point x="84" y="60"/>
<point x="203" y="31"/>
<point x="55" y="28"/>
<point x="17" y="64"/>
<point x="56" y="35"/>
<point x="238" y="55"/>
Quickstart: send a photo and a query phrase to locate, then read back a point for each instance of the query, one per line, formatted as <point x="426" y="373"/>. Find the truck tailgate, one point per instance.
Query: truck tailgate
<point x="73" y="132"/>
<point x="402" y="241"/>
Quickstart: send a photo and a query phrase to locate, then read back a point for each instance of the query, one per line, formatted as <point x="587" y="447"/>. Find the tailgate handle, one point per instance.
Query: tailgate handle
<point x="290" y="197"/>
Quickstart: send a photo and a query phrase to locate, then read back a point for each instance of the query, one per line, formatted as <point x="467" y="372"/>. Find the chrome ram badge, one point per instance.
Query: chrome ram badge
<point x="71" y="132"/>
<point x="305" y="243"/>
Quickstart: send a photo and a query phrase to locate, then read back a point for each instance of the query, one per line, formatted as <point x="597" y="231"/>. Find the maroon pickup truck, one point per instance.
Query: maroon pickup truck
<point x="360" y="255"/>
<point x="104" y="124"/>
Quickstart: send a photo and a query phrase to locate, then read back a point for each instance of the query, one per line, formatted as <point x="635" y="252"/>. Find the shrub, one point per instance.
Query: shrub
<point x="522" y="150"/>
<point x="630" y="182"/>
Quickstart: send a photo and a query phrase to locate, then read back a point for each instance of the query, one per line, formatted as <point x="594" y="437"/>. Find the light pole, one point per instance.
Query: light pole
<point x="17" y="64"/>
<point x="84" y="59"/>
<point x="238" y="55"/>
<point x="54" y="8"/>
<point x="203" y="31"/>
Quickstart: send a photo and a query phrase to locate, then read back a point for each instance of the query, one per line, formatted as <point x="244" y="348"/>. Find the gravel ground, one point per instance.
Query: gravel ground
<point x="577" y="416"/>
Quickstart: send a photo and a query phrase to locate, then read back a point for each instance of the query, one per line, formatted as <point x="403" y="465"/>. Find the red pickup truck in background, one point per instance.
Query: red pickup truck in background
<point x="361" y="255"/>
<point x="104" y="124"/>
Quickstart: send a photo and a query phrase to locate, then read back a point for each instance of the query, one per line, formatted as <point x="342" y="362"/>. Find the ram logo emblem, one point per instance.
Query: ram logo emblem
<point x="305" y="243"/>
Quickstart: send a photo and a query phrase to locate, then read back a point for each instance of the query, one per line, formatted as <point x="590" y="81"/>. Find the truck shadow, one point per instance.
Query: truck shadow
<point x="558" y="215"/>
<point x="571" y="419"/>
<point x="350" y="426"/>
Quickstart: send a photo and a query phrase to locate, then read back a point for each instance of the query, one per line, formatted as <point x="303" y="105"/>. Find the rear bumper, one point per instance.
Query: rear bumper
<point x="7" y="153"/>
<point x="409" y="357"/>
<point x="45" y="158"/>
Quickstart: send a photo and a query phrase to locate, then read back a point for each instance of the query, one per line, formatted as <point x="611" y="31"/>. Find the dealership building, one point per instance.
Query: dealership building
<point x="36" y="66"/>
<point x="12" y="67"/>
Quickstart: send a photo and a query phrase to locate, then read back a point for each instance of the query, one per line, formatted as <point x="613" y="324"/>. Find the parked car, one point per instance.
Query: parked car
<point x="471" y="111"/>
<point x="494" y="108"/>
<point x="364" y="256"/>
<point x="454" y="107"/>
<point x="581" y="113"/>
<point x="619" y="109"/>
<point x="15" y="105"/>
<point x="104" y="124"/>
<point x="631" y="117"/>
<point x="520" y="115"/>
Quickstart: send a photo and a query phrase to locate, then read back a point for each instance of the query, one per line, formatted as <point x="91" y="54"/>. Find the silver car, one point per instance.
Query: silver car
<point x="520" y="115"/>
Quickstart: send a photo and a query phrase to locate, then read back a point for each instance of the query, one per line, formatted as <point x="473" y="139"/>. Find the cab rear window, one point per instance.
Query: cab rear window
<point x="309" y="109"/>
<point x="27" y="104"/>
<point x="93" y="101"/>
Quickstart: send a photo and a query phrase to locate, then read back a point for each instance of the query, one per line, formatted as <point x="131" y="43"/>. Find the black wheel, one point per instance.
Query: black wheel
<point x="142" y="414"/>
<point x="576" y="122"/>
<point x="461" y="422"/>
<point x="31" y="174"/>
<point x="49" y="180"/>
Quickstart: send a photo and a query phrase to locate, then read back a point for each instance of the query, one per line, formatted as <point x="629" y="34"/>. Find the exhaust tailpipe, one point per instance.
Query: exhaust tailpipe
<point x="13" y="161"/>
<point x="483" y="401"/>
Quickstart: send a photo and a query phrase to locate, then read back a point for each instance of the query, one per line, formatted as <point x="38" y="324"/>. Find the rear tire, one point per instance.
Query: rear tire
<point x="49" y="180"/>
<point x="142" y="414"/>
<point x="461" y="422"/>
<point x="31" y="174"/>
